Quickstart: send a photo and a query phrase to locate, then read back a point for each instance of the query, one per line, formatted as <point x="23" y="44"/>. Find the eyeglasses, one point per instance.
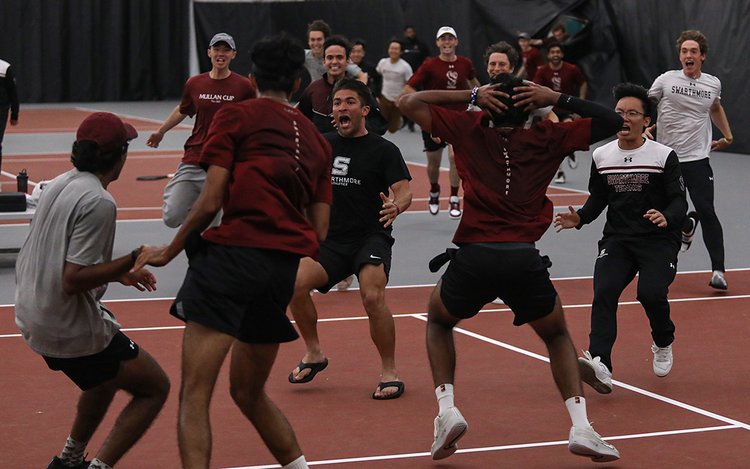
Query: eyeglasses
<point x="632" y="114"/>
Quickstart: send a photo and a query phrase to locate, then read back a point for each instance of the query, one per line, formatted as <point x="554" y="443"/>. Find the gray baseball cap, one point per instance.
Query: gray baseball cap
<point x="222" y="37"/>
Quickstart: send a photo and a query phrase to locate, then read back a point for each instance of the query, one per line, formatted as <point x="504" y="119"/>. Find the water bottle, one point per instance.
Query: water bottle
<point x="23" y="181"/>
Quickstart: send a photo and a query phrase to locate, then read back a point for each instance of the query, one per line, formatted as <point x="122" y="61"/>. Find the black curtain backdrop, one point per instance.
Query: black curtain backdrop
<point x="114" y="50"/>
<point x="96" y="50"/>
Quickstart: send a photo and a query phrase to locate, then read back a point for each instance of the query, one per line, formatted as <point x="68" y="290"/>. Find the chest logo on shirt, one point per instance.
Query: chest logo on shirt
<point x="691" y="91"/>
<point x="628" y="159"/>
<point x="452" y="77"/>
<point x="629" y="182"/>
<point x="556" y="82"/>
<point x="216" y="98"/>
<point x="340" y="171"/>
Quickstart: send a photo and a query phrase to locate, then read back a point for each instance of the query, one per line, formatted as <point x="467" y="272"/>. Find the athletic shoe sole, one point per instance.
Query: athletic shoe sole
<point x="588" y="376"/>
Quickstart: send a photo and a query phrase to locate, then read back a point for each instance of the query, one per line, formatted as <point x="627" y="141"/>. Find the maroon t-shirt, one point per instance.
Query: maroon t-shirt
<point x="532" y="59"/>
<point x="505" y="173"/>
<point x="567" y="80"/>
<point x="436" y="74"/>
<point x="280" y="165"/>
<point x="202" y="97"/>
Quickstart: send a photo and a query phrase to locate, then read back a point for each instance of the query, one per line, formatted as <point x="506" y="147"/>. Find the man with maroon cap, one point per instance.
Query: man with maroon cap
<point x="202" y="97"/>
<point x="62" y="273"/>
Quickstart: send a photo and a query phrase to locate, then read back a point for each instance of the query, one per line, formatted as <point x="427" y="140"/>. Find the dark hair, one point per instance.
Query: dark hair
<point x="87" y="156"/>
<point x="513" y="116"/>
<point x="319" y="25"/>
<point x="337" y="41"/>
<point x="277" y="62"/>
<point x="693" y="35"/>
<point x="354" y="85"/>
<point x="554" y="44"/>
<point x="397" y="41"/>
<point x="558" y="27"/>
<point x="502" y="47"/>
<point x="360" y="42"/>
<point x="626" y="90"/>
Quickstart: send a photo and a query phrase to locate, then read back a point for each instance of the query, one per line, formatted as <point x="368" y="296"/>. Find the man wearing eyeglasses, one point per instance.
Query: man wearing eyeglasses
<point x="640" y="182"/>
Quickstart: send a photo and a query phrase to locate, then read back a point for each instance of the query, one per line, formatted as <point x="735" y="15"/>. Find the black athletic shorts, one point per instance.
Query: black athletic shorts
<point x="430" y="144"/>
<point x="92" y="370"/>
<point x="340" y="259"/>
<point x="240" y="291"/>
<point x="513" y="272"/>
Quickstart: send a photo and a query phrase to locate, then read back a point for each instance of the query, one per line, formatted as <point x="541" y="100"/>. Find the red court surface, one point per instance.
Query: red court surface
<point x="698" y="416"/>
<point x="65" y="120"/>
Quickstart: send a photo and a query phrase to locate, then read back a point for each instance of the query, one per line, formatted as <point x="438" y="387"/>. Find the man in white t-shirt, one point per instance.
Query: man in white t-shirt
<point x="395" y="72"/>
<point x="689" y="101"/>
<point x="62" y="272"/>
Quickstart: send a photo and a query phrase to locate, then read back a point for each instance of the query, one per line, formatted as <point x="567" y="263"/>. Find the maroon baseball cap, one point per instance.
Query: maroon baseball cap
<point x="106" y="130"/>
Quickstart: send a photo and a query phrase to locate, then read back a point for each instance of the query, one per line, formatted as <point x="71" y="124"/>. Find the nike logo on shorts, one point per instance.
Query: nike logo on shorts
<point x="374" y="257"/>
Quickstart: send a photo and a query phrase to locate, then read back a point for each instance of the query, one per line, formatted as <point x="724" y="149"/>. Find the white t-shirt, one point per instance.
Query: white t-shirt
<point x="684" y="121"/>
<point x="74" y="222"/>
<point x="395" y="77"/>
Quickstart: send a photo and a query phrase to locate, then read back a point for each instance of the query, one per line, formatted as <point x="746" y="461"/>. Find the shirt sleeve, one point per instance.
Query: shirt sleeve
<point x="674" y="189"/>
<point x="92" y="233"/>
<point x="395" y="166"/>
<point x="448" y="124"/>
<point x="187" y="105"/>
<point x="323" y="187"/>
<point x="656" y="90"/>
<point x="597" y="201"/>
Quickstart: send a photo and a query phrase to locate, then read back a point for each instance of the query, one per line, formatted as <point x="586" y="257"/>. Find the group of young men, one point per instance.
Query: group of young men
<point x="330" y="201"/>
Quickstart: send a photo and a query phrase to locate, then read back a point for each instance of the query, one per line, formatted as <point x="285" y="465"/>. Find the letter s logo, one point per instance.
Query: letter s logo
<point x="340" y="166"/>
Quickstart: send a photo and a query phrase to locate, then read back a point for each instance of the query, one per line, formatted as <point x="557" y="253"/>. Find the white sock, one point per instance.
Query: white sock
<point x="577" y="409"/>
<point x="298" y="463"/>
<point x="72" y="453"/>
<point x="444" y="394"/>
<point x="97" y="463"/>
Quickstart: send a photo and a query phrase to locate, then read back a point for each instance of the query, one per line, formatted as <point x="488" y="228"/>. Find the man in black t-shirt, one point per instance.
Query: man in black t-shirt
<point x="366" y="168"/>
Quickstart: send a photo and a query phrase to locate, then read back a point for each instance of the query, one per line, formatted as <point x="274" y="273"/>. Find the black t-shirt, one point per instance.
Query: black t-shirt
<point x="363" y="167"/>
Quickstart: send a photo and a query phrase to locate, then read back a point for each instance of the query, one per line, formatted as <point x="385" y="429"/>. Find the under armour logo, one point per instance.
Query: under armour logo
<point x="628" y="159"/>
<point x="671" y="265"/>
<point x="132" y="345"/>
<point x="602" y="254"/>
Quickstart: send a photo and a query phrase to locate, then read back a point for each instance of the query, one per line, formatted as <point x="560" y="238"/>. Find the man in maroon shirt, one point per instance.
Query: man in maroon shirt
<point x="565" y="78"/>
<point x="447" y="71"/>
<point x="202" y="96"/>
<point x="506" y="170"/>
<point x="531" y="58"/>
<point x="270" y="170"/>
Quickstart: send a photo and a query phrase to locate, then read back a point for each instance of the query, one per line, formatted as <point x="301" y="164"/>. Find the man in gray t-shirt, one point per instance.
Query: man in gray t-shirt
<point x="62" y="272"/>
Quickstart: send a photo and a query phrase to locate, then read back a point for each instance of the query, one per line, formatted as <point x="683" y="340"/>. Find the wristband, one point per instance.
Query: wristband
<point x="135" y="253"/>
<point x="398" y="210"/>
<point x="473" y="99"/>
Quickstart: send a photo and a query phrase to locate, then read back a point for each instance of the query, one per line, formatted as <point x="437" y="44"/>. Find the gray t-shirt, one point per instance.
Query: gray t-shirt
<point x="316" y="68"/>
<point x="684" y="120"/>
<point x="74" y="222"/>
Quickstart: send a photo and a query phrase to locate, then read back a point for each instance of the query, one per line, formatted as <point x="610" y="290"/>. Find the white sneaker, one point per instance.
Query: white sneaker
<point x="718" y="281"/>
<point x="586" y="442"/>
<point x="498" y="301"/>
<point x="662" y="359"/>
<point x="433" y="203"/>
<point x="454" y="205"/>
<point x="345" y="284"/>
<point x="450" y="426"/>
<point x="595" y="373"/>
<point x="687" y="236"/>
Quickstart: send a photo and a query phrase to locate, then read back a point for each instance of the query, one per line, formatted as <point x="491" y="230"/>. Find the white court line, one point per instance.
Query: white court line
<point x="493" y="448"/>
<point x="131" y="116"/>
<point x="629" y="387"/>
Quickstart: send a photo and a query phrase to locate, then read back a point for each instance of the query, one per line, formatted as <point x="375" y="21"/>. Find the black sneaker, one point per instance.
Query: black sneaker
<point x="560" y="178"/>
<point x="57" y="463"/>
<point x="687" y="236"/>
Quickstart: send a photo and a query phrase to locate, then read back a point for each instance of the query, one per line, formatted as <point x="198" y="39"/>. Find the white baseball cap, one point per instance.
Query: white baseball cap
<point x="446" y="30"/>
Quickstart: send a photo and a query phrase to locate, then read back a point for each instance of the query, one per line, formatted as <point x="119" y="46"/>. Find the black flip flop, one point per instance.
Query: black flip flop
<point x="314" y="369"/>
<point x="389" y="384"/>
